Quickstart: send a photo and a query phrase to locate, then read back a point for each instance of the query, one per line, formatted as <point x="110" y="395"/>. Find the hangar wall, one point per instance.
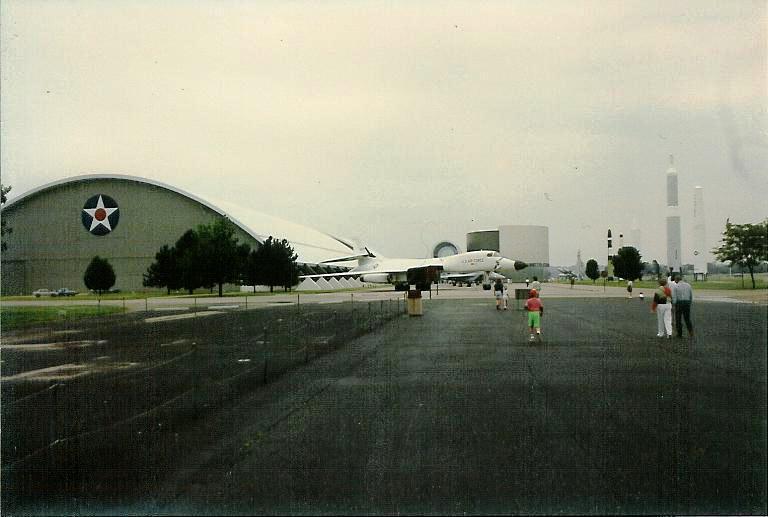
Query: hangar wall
<point x="50" y="247"/>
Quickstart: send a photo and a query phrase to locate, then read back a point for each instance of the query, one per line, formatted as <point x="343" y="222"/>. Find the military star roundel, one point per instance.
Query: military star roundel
<point x="100" y="214"/>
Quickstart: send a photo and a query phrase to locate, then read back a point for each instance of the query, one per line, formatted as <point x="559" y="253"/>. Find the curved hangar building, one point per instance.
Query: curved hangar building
<point x="59" y="227"/>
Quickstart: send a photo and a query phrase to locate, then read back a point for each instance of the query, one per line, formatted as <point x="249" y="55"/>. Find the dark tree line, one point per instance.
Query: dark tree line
<point x="273" y="264"/>
<point x="627" y="264"/>
<point x="745" y="245"/>
<point x="211" y="255"/>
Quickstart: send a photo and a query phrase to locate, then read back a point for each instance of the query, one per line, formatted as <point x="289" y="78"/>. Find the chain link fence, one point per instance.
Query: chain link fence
<point x="143" y="381"/>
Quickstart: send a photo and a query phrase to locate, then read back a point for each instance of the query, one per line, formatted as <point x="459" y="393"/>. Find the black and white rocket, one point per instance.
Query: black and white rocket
<point x="674" y="260"/>
<point x="609" y="265"/>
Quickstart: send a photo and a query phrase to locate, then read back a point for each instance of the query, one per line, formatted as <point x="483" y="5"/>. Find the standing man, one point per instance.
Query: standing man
<point x="682" y="297"/>
<point x="629" y="288"/>
<point x="498" y="291"/>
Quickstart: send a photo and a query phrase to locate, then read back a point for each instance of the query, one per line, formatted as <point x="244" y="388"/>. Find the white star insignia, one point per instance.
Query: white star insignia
<point x="100" y="215"/>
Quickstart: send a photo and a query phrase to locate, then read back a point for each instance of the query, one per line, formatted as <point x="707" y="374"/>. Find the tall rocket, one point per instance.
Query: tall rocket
<point x="609" y="264"/>
<point x="699" y="232"/>
<point x="674" y="260"/>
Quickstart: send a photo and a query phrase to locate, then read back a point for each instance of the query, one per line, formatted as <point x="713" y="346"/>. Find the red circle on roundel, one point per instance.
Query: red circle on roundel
<point x="100" y="214"/>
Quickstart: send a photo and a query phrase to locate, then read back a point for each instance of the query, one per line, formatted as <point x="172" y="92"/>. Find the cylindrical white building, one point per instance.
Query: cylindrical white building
<point x="674" y="258"/>
<point x="527" y="243"/>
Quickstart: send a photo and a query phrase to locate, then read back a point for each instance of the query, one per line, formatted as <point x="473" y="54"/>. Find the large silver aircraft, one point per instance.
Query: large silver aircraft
<point x="404" y="272"/>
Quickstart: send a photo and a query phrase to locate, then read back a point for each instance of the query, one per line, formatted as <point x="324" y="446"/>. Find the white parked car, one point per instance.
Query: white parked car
<point x="43" y="292"/>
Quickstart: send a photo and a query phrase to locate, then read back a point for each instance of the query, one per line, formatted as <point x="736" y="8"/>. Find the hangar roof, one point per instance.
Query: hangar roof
<point x="311" y="246"/>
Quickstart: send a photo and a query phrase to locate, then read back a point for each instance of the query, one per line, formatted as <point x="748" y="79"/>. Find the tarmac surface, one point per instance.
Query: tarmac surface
<point x="455" y="412"/>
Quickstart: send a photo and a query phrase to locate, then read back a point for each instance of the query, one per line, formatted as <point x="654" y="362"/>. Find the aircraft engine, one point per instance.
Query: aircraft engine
<point x="375" y="278"/>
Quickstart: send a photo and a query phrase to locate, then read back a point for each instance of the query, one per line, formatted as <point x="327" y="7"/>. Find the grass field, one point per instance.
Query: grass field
<point x="132" y="295"/>
<point x="718" y="282"/>
<point x="20" y="317"/>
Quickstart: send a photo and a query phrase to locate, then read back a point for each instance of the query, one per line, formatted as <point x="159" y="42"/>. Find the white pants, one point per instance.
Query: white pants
<point x="664" y="317"/>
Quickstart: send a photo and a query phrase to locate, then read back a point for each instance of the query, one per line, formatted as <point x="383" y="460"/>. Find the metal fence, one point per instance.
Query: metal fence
<point x="183" y="369"/>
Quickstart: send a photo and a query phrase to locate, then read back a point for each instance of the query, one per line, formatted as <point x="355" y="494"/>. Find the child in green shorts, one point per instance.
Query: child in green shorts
<point x="535" y="311"/>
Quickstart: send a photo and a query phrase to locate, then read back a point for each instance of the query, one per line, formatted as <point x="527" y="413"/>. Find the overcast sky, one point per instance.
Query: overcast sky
<point x="403" y="123"/>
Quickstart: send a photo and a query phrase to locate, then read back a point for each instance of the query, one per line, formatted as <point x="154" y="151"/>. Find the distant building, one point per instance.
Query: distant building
<point x="59" y="227"/>
<point x="519" y="242"/>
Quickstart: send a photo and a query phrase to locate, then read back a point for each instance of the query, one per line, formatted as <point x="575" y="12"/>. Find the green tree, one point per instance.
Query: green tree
<point x="254" y="266"/>
<point x="591" y="270"/>
<point x="744" y="244"/>
<point x="189" y="268"/>
<point x="99" y="275"/>
<point x="164" y="271"/>
<point x="4" y="230"/>
<point x="627" y="263"/>
<point x="222" y="258"/>
<point x="273" y="263"/>
<point x="287" y="271"/>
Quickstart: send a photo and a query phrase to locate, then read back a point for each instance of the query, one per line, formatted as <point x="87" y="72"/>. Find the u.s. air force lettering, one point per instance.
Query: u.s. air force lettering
<point x="100" y="214"/>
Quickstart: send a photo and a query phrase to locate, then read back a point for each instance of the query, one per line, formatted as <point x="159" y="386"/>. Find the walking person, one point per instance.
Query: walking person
<point x="536" y="285"/>
<point x="498" y="292"/>
<point x="671" y="285"/>
<point x="662" y="306"/>
<point x="682" y="297"/>
<point x="535" y="310"/>
<point x="629" y="288"/>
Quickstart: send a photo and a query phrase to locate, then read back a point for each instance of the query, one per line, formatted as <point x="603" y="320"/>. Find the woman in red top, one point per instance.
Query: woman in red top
<point x="662" y="306"/>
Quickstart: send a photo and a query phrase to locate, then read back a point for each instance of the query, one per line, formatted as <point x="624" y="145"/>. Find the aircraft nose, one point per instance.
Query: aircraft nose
<point x="505" y="264"/>
<point x="519" y="264"/>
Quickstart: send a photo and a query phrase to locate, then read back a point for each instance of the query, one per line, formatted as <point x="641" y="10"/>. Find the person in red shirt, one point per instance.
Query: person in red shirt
<point x="535" y="311"/>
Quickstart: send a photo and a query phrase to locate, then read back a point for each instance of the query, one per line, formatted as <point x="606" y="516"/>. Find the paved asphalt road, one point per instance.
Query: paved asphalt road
<point x="456" y="413"/>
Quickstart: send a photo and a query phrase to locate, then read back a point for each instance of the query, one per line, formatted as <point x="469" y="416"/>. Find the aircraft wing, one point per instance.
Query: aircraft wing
<point x="470" y="277"/>
<point x="461" y="277"/>
<point x="385" y="270"/>
<point x="347" y="274"/>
